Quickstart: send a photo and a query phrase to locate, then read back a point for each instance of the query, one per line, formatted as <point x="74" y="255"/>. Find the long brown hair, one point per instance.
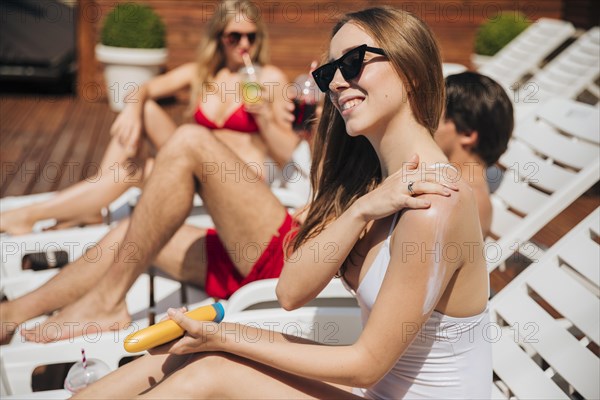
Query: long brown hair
<point x="343" y="167"/>
<point x="211" y="55"/>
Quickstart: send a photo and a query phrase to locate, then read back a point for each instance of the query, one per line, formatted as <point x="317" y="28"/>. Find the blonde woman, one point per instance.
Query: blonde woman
<point x="424" y="310"/>
<point x="251" y="131"/>
<point x="250" y="221"/>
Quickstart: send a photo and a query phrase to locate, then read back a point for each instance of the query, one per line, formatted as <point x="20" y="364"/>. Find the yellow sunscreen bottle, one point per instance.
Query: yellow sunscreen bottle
<point x="168" y="330"/>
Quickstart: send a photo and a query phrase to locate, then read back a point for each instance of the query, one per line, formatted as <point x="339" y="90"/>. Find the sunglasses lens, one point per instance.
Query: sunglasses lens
<point x="351" y="63"/>
<point x="233" y="38"/>
<point x="323" y="76"/>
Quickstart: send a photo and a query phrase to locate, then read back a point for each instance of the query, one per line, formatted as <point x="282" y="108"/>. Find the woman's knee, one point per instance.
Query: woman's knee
<point x="150" y="106"/>
<point x="180" y="143"/>
<point x="204" y="373"/>
<point x="194" y="137"/>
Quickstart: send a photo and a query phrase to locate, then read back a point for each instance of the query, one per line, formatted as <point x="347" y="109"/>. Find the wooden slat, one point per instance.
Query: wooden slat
<point x="99" y="141"/>
<point x="85" y="53"/>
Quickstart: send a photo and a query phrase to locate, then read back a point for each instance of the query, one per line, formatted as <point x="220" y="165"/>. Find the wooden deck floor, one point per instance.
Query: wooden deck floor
<point x="48" y="143"/>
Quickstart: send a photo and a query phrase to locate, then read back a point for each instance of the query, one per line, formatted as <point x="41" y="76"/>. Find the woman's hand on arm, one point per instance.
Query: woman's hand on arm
<point x="394" y="193"/>
<point x="128" y="126"/>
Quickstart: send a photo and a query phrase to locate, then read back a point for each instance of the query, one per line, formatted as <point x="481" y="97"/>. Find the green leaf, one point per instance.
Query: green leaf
<point x="497" y="32"/>
<point x="133" y="25"/>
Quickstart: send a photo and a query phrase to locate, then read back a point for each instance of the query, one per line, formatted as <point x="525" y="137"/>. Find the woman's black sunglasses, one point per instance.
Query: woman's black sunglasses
<point x="349" y="64"/>
<point x="233" y="38"/>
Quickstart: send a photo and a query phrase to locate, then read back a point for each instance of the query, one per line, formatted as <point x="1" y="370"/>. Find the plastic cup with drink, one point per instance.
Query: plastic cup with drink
<point x="250" y="86"/>
<point x="85" y="372"/>
<point x="306" y="101"/>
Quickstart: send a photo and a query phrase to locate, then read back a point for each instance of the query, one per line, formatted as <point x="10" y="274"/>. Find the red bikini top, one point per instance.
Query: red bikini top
<point x="240" y="120"/>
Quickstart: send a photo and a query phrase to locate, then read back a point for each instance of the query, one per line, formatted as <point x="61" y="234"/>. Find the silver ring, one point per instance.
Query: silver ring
<point x="410" y="187"/>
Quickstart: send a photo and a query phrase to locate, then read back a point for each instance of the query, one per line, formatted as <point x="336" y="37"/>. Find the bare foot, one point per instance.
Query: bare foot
<point x="16" y="222"/>
<point x="8" y="323"/>
<point x="87" y="317"/>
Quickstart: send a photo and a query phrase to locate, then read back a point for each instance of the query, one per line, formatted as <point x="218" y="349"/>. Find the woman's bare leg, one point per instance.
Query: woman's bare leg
<point x="222" y="375"/>
<point x="116" y="174"/>
<point x="133" y="378"/>
<point x="206" y="376"/>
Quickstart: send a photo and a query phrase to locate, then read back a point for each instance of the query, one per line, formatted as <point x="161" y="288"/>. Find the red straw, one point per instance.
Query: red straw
<point x="84" y="361"/>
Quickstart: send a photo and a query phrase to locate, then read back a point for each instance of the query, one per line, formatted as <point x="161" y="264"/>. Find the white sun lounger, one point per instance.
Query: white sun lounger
<point x="19" y="359"/>
<point x="539" y="354"/>
<point x="553" y="158"/>
<point x="524" y="54"/>
<point x="572" y="73"/>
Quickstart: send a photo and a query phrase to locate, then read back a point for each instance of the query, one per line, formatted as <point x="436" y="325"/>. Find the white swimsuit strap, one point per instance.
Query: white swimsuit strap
<point x="393" y="225"/>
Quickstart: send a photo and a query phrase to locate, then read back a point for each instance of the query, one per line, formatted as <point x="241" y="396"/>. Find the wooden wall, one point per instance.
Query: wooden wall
<point x="299" y="30"/>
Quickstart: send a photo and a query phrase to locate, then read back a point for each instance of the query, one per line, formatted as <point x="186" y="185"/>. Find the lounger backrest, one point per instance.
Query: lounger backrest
<point x="573" y="71"/>
<point x="549" y="322"/>
<point x="524" y="54"/>
<point x="261" y="295"/>
<point x="553" y="157"/>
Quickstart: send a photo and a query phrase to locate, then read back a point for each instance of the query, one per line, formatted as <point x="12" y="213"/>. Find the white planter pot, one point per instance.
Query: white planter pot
<point x="125" y="70"/>
<point x="452" y="68"/>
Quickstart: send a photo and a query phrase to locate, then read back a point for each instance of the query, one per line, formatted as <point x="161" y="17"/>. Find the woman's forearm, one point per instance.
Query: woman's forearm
<point x="137" y="98"/>
<point x="280" y="139"/>
<point x="336" y="364"/>
<point x="163" y="85"/>
<point x="308" y="270"/>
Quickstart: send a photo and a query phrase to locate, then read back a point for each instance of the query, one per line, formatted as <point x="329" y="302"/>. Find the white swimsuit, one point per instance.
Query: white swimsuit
<point x="450" y="358"/>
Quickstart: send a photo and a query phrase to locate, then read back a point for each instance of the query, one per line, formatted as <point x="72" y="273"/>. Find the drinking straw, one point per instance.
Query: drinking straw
<point x="84" y="361"/>
<point x="249" y="66"/>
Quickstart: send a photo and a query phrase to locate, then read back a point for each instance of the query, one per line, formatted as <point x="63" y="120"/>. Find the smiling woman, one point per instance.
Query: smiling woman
<point x="422" y="313"/>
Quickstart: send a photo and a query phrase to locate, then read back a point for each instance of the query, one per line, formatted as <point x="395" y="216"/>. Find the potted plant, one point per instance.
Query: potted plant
<point x="132" y="49"/>
<point x="496" y="33"/>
